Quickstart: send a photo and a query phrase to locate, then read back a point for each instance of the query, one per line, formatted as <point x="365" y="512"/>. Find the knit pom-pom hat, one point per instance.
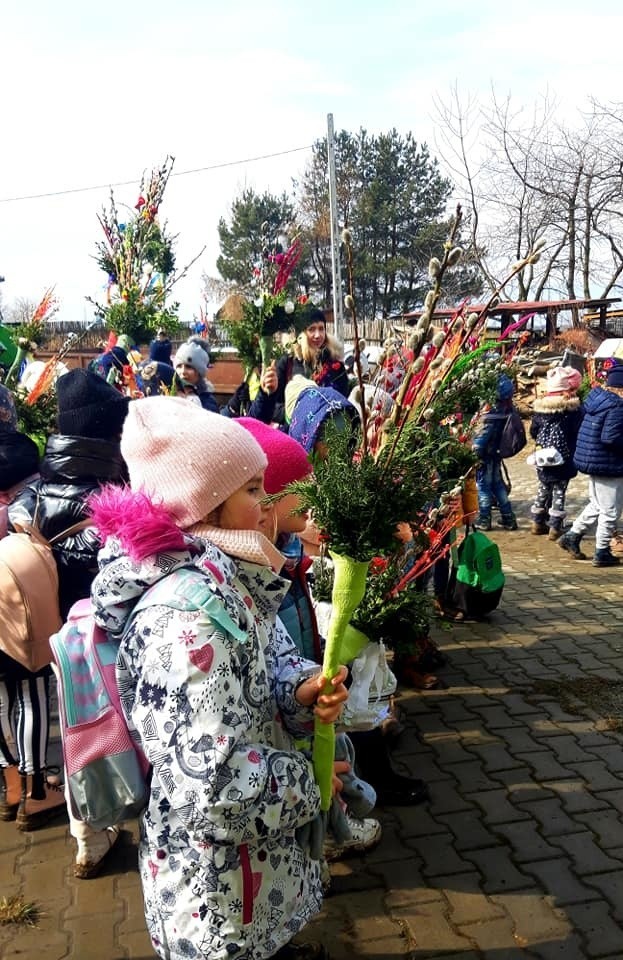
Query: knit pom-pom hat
<point x="563" y="380"/>
<point x="287" y="460"/>
<point x="193" y="356"/>
<point x="187" y="458"/>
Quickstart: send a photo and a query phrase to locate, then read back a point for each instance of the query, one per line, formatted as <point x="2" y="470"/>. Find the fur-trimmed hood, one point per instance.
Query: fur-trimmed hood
<point x="556" y="403"/>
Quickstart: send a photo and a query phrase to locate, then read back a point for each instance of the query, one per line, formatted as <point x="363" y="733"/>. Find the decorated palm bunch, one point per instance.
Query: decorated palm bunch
<point x="409" y="467"/>
<point x="272" y="309"/>
<point x="137" y="255"/>
<point x="33" y="382"/>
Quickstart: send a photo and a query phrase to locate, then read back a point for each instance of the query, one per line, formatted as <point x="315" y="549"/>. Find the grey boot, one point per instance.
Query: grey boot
<point x="571" y="543"/>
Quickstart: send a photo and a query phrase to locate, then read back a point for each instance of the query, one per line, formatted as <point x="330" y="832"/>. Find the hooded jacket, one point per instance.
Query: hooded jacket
<point x="72" y="468"/>
<point x="557" y="416"/>
<point x="207" y="678"/>
<point x="599" y="449"/>
<point x="314" y="407"/>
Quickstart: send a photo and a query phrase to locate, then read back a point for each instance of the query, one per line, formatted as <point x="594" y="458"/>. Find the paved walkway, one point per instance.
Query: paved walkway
<point x="518" y="856"/>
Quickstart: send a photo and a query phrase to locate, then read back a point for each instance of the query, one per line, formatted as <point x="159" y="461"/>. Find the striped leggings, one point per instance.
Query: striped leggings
<point x="24" y="717"/>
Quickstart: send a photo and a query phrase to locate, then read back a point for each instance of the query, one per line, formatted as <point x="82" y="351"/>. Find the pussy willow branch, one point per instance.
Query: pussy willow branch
<point x="353" y="311"/>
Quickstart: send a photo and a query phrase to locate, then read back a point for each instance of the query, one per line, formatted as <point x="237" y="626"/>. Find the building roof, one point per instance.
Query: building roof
<point x="520" y="306"/>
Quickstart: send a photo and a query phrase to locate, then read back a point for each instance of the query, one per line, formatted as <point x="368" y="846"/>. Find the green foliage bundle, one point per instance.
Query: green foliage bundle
<point x="399" y="621"/>
<point x="357" y="501"/>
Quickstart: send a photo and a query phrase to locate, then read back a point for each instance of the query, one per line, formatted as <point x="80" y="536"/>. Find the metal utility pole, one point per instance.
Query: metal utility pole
<point x="336" y="269"/>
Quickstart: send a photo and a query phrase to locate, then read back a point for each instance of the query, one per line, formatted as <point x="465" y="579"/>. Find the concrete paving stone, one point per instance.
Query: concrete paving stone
<point x="517" y="705"/>
<point x="498" y="871"/>
<point x="405" y="886"/>
<point x="450" y="751"/>
<point x="135" y="946"/>
<point x="354" y="875"/>
<point x="545" y="765"/>
<point x="497" y="808"/>
<point x="424" y="766"/>
<point x="440" y="857"/>
<point x="495" y="934"/>
<point x="611" y="755"/>
<point x="92" y="899"/>
<point x="414" y="821"/>
<point x="596" y="775"/>
<point x="607" y="826"/>
<point x="566" y="749"/>
<point x="455" y="709"/>
<point x="495" y="756"/>
<point x="544" y="727"/>
<point x="445" y="798"/>
<point x="576" y="798"/>
<point x="601" y="934"/>
<point x="469" y="831"/>
<point x="560" y="881"/>
<point x="526" y="841"/>
<point x="431" y="931"/>
<point x="471" y="777"/>
<point x="393" y="846"/>
<point x="535" y="920"/>
<point x="610" y="886"/>
<point x="370" y="920"/>
<point x="472" y="731"/>
<point x="432" y="723"/>
<point x="613" y="798"/>
<point x="45" y="941"/>
<point x="498" y="718"/>
<point x="550" y="816"/>
<point x="587" y="857"/>
<point x="520" y="785"/>
<point x="467" y="902"/>
<point x="520" y="740"/>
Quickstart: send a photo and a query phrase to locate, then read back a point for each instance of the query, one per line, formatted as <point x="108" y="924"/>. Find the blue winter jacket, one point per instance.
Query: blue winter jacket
<point x="599" y="450"/>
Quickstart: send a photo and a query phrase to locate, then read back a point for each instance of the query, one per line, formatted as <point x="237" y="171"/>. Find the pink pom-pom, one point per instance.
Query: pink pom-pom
<point x="143" y="528"/>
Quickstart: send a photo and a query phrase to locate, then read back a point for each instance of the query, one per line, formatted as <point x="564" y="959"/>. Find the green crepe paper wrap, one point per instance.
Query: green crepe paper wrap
<point x="349" y="586"/>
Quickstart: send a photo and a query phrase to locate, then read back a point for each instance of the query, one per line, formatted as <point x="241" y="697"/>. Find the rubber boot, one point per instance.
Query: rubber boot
<point x="374" y="765"/>
<point x="605" y="558"/>
<point x="570" y="542"/>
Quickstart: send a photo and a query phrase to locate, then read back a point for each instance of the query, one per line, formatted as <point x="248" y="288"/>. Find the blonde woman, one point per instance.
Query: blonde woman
<point x="317" y="356"/>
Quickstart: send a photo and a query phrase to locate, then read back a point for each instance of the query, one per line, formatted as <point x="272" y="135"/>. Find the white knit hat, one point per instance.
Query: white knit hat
<point x="186" y="457"/>
<point x="194" y="356"/>
<point x="563" y="380"/>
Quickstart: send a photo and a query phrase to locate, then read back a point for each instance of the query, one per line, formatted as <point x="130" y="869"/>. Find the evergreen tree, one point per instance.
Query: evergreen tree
<point x="392" y="196"/>
<point x="256" y="222"/>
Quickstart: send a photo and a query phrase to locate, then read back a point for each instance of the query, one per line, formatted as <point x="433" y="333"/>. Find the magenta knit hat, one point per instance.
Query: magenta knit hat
<point x="185" y="457"/>
<point x="287" y="460"/>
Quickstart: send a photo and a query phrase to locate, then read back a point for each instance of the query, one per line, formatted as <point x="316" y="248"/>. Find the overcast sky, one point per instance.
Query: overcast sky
<point x="96" y="93"/>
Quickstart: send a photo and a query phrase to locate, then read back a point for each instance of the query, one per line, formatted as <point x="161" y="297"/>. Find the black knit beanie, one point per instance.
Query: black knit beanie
<point x="89" y="407"/>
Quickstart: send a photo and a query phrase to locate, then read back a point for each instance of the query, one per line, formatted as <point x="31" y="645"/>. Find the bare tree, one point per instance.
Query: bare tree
<point x="524" y="176"/>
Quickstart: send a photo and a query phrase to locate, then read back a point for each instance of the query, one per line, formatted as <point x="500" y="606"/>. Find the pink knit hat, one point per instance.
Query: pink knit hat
<point x="186" y="457"/>
<point x="563" y="380"/>
<point x="287" y="460"/>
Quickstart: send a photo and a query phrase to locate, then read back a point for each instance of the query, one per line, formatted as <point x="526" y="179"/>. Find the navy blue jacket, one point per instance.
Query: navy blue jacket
<point x="599" y="450"/>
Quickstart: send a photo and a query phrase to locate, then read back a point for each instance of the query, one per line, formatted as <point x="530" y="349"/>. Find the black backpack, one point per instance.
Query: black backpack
<point x="513" y="438"/>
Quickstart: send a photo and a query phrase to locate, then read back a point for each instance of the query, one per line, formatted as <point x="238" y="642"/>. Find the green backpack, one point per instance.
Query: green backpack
<point x="479" y="577"/>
